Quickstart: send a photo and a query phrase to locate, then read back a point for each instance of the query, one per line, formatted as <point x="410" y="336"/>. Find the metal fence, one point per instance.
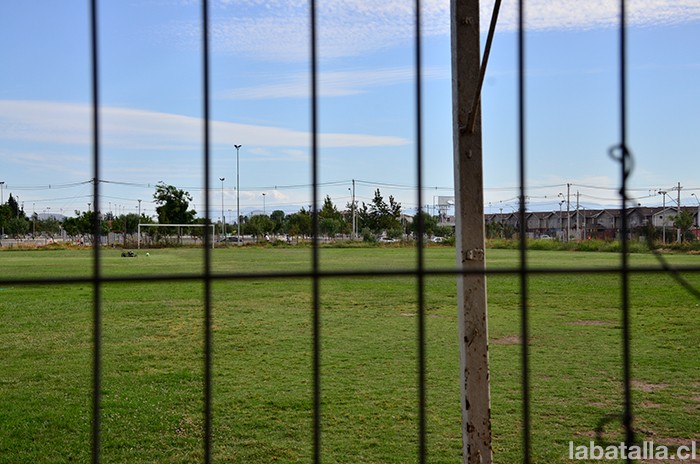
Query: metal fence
<point x="621" y="153"/>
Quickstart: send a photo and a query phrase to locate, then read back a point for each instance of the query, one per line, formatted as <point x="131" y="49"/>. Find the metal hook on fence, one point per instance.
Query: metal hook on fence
<point x="622" y="155"/>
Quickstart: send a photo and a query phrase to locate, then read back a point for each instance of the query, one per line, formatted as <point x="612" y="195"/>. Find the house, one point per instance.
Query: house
<point x="604" y="224"/>
<point x="664" y="217"/>
<point x="537" y="224"/>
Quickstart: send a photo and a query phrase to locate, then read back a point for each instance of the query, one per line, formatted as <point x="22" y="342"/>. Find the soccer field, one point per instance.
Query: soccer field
<point x="152" y="397"/>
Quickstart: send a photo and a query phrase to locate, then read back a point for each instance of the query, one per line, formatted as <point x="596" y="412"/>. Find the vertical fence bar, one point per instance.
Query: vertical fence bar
<point x="524" y="328"/>
<point x="422" y="442"/>
<point x="96" y="233"/>
<point x="624" y="154"/>
<point x="316" y="316"/>
<point x="207" y="239"/>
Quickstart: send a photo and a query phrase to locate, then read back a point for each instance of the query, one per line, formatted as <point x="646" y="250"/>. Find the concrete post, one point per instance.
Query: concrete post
<point x="469" y="206"/>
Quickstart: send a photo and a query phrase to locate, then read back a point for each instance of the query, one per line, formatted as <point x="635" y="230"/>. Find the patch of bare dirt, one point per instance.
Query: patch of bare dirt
<point x="589" y="323"/>
<point x="648" y="387"/>
<point x="508" y="340"/>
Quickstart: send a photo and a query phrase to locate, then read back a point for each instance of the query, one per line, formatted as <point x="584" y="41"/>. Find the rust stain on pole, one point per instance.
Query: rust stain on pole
<point x="469" y="201"/>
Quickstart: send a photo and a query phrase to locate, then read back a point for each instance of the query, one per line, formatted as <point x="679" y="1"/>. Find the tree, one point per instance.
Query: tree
<point x="9" y="211"/>
<point x="429" y="224"/>
<point x="443" y="231"/>
<point x="331" y="221"/>
<point x="329" y="227"/>
<point x="683" y="221"/>
<point x="127" y="223"/>
<point x="14" y="207"/>
<point x="49" y="226"/>
<point x="81" y="225"/>
<point x="173" y="205"/>
<point x="379" y="216"/>
<point x="17" y="227"/>
<point x="299" y="223"/>
<point x="259" y="225"/>
<point x="5" y="215"/>
<point x="277" y="218"/>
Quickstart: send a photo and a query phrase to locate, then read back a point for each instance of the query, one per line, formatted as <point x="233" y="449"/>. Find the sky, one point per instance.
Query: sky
<point x="150" y="69"/>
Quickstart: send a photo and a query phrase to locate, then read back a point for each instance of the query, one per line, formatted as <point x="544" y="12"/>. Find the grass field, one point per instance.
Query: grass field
<point x="152" y="363"/>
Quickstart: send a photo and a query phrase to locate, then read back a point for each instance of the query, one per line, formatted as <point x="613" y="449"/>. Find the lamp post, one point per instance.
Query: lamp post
<point x="223" y="214"/>
<point x="2" y="202"/>
<point x="238" y="194"/>
<point x="264" y="210"/>
<point x="354" y="222"/>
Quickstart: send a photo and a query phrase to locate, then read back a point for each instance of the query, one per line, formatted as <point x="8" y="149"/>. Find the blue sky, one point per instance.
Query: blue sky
<point x="150" y="92"/>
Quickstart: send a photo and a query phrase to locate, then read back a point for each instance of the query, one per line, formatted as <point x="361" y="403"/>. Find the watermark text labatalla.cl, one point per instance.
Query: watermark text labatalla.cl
<point x="644" y="451"/>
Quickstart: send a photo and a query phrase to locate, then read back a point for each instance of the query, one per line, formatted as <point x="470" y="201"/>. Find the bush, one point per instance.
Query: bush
<point x="367" y="235"/>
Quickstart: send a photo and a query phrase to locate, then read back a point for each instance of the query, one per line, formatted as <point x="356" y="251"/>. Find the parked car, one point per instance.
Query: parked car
<point x="232" y="239"/>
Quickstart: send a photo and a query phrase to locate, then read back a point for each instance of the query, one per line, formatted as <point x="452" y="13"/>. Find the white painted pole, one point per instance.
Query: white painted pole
<point x="469" y="226"/>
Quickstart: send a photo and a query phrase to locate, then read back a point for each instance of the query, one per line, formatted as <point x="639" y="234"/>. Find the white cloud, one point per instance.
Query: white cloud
<point x="588" y="14"/>
<point x="129" y="128"/>
<point x="332" y="84"/>
<point x="56" y="162"/>
<point x="278" y="30"/>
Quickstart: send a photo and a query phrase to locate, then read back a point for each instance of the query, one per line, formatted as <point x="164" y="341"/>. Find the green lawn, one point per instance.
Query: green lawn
<point x="152" y="364"/>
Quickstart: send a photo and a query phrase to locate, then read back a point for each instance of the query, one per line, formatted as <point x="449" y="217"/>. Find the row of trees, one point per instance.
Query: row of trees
<point x="374" y="219"/>
<point x="377" y="218"/>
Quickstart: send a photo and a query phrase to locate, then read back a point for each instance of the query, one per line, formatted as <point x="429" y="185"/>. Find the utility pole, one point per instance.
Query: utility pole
<point x="561" y="219"/>
<point x="678" y="238"/>
<point x="578" y="226"/>
<point x="697" y="218"/>
<point x="467" y="78"/>
<point x="568" y="213"/>
<point x="223" y="214"/>
<point x="663" y="224"/>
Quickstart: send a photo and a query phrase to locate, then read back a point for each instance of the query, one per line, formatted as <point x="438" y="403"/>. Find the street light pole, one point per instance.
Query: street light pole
<point x="2" y="202"/>
<point x="264" y="210"/>
<point x="223" y="215"/>
<point x="238" y="194"/>
<point x="354" y="222"/>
